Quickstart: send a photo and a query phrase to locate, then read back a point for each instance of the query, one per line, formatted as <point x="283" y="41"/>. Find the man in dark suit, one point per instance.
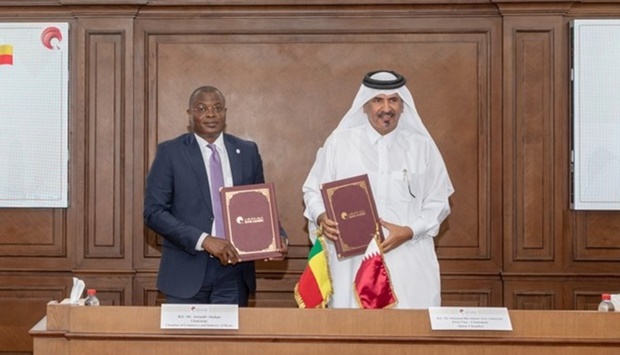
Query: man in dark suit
<point x="197" y="264"/>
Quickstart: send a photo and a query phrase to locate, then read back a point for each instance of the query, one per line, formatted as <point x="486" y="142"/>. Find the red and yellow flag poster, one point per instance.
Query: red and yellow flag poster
<point x="315" y="286"/>
<point x="6" y="54"/>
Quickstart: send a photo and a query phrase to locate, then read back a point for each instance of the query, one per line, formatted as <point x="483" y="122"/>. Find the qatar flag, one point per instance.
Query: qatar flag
<point x="373" y="287"/>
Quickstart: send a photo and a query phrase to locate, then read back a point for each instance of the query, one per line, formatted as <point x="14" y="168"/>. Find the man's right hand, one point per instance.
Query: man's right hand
<point x="327" y="227"/>
<point x="221" y="249"/>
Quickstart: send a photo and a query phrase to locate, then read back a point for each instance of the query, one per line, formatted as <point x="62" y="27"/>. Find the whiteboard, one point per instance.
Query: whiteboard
<point x="595" y="111"/>
<point x="34" y="76"/>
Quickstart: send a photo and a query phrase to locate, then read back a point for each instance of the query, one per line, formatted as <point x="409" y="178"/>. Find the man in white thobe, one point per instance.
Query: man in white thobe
<point x="383" y="136"/>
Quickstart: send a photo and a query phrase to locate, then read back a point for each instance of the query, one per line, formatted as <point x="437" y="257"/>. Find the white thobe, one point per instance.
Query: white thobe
<point x="409" y="189"/>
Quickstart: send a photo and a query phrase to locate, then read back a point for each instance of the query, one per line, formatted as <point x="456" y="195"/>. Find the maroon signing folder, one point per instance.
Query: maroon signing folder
<point x="251" y="220"/>
<point x="350" y="203"/>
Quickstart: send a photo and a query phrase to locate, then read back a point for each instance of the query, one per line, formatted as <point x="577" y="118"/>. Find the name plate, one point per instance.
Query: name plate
<point x="199" y="316"/>
<point x="470" y="318"/>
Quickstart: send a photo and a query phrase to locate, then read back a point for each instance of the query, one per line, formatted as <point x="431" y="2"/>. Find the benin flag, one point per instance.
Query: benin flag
<point x="6" y="54"/>
<point x="315" y="286"/>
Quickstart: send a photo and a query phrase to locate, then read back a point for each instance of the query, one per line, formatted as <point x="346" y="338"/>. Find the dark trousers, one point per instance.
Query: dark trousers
<point x="221" y="285"/>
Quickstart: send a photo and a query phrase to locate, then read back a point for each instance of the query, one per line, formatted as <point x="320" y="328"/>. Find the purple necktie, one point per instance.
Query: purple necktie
<point x="216" y="180"/>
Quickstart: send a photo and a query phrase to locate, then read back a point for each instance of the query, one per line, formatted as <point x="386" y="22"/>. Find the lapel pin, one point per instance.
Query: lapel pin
<point x="238" y="151"/>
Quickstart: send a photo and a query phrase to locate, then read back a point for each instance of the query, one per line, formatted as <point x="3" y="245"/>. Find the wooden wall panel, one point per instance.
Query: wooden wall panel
<point x="145" y="290"/>
<point x="32" y="233"/>
<point x="533" y="146"/>
<point x="23" y="299"/>
<point x="596" y="236"/>
<point x="534" y="199"/>
<point x="471" y="291"/>
<point x="285" y="90"/>
<point x="274" y="287"/>
<point x="534" y="293"/>
<point x="557" y="291"/>
<point x="113" y="289"/>
<point x="106" y="122"/>
<point x="470" y="145"/>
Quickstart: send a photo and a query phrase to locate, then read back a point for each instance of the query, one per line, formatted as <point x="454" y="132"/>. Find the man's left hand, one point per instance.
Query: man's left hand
<point x="283" y="250"/>
<point x="397" y="235"/>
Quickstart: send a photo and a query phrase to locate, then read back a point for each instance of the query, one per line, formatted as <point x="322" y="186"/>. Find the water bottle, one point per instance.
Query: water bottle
<point x="91" y="298"/>
<point x="606" y="305"/>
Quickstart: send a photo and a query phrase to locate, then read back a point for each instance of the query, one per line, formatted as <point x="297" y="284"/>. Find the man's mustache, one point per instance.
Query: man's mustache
<point x="386" y="114"/>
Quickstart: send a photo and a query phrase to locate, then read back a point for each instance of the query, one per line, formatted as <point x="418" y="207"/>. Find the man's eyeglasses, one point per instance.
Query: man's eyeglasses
<point x="202" y="109"/>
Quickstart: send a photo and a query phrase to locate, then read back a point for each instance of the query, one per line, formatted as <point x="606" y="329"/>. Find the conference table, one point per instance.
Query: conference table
<point x="113" y="330"/>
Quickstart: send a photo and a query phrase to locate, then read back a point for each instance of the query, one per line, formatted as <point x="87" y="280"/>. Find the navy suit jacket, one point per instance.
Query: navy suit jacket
<point x="177" y="205"/>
